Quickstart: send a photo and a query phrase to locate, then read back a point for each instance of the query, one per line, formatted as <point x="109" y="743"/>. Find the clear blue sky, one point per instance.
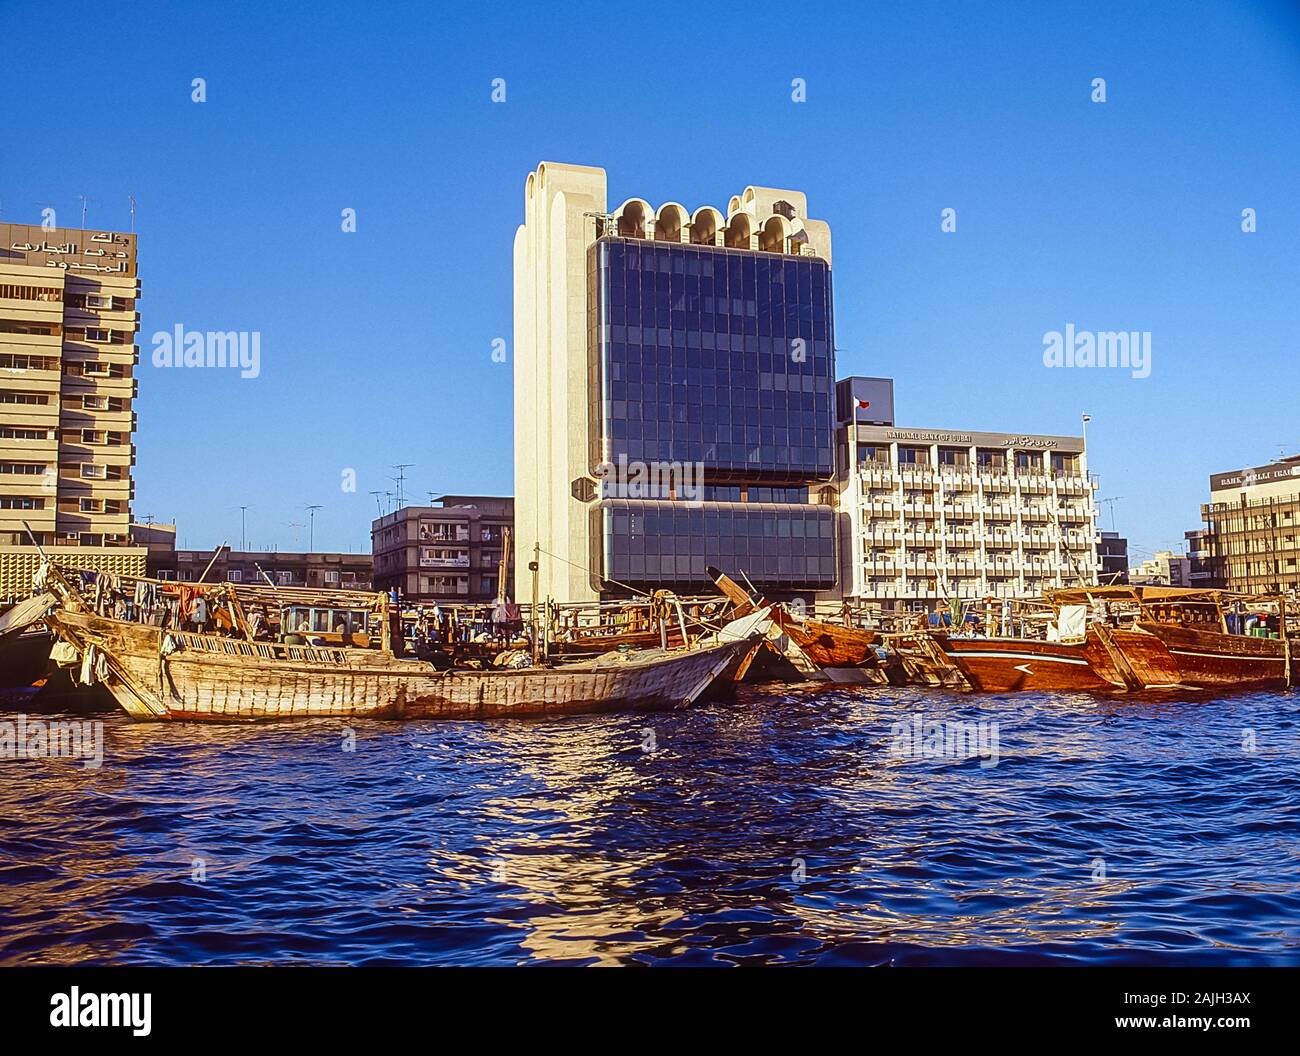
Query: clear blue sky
<point x="376" y="345"/>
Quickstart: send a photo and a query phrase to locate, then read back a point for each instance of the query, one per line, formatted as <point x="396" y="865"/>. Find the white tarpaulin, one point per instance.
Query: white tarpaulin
<point x="25" y="613"/>
<point x="1073" y="622"/>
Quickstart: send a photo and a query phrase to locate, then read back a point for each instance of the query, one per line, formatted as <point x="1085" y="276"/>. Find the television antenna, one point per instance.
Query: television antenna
<point x="400" y="479"/>
<point x="311" y="527"/>
<point x="1111" y="504"/>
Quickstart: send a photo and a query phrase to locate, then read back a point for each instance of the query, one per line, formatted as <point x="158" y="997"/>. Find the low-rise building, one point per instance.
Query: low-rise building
<point x="449" y="552"/>
<point x="1166" y="569"/>
<point x="318" y="570"/>
<point x="1112" y="555"/>
<point x="936" y="514"/>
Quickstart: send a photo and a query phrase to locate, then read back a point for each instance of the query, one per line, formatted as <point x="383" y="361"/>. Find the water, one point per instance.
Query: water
<point x="562" y="841"/>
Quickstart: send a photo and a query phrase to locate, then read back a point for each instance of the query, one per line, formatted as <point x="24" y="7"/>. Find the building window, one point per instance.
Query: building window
<point x="235" y="575"/>
<point x="7" y="503"/>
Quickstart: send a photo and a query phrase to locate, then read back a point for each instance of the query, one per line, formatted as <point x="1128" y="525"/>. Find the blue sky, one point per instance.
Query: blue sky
<point x="376" y="345"/>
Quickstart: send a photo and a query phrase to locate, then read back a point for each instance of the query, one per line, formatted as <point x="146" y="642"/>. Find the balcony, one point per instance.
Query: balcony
<point x="917" y="476"/>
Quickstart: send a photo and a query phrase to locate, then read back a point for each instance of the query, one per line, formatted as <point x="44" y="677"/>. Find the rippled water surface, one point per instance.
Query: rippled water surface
<point x="780" y="828"/>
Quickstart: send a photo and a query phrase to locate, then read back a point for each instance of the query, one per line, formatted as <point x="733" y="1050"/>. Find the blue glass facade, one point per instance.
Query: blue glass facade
<point x="722" y="358"/>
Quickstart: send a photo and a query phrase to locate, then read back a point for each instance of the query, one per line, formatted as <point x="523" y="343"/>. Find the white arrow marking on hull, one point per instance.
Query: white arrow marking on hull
<point x="1025" y="668"/>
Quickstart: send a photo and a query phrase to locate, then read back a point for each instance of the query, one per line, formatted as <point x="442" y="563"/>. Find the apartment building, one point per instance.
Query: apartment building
<point x="938" y="514"/>
<point x="692" y="347"/>
<point x="68" y="325"/>
<point x="449" y="552"/>
<point x="1251" y="535"/>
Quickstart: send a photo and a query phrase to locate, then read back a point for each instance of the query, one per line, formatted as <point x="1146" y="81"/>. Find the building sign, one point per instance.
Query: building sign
<point x="925" y="436"/>
<point x="1247" y="478"/>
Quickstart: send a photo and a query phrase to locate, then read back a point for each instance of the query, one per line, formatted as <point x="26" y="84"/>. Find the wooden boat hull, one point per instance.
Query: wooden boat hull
<point x="215" y="679"/>
<point x="830" y="645"/>
<point x="1131" y="658"/>
<point x="1212" y="659"/>
<point x="1006" y="665"/>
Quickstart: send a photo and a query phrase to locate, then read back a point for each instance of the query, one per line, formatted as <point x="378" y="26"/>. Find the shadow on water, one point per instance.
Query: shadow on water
<point x="804" y="826"/>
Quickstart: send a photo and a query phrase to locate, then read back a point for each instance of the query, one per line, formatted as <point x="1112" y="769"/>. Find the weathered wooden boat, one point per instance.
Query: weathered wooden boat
<point x="169" y="674"/>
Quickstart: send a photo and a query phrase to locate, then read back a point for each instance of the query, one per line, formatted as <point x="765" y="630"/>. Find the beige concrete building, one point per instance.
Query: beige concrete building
<point x="448" y="552"/>
<point x="68" y="324"/>
<point x="672" y="337"/>
<point x="1165" y="569"/>
<point x="940" y="514"/>
<point x="1251" y="540"/>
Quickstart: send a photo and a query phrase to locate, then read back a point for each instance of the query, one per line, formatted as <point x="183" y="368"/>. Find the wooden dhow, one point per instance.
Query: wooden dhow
<point x="839" y="652"/>
<point x="1152" y="637"/>
<point x="168" y="674"/>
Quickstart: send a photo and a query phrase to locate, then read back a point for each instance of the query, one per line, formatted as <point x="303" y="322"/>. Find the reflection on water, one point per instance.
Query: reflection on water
<point x="779" y="829"/>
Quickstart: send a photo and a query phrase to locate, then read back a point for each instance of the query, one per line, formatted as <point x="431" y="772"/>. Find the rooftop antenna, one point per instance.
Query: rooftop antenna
<point x="132" y="200"/>
<point x="296" y="524"/>
<point x="378" y="505"/>
<point x="147" y="519"/>
<point x="85" y="201"/>
<point x="1111" y="503"/>
<point x="311" y="528"/>
<point x="400" y="479"/>
<point x="243" y="521"/>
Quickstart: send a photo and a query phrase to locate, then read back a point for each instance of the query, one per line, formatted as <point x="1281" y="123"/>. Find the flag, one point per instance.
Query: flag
<point x="1087" y="417"/>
